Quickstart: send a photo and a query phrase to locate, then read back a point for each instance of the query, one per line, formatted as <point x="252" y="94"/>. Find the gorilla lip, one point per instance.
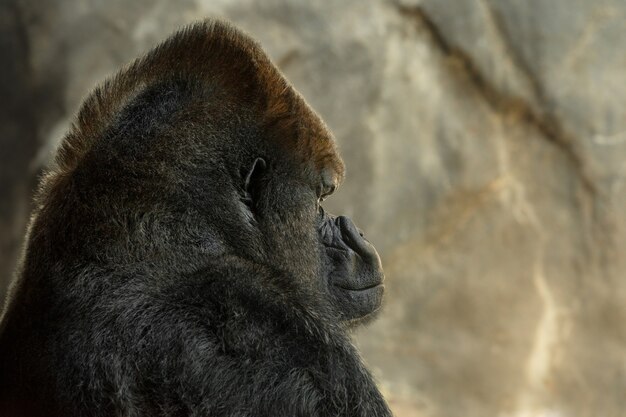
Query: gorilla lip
<point x="364" y="288"/>
<point x="368" y="288"/>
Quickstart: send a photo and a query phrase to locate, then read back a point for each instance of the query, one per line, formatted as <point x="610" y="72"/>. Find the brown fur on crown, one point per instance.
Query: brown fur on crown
<point x="216" y="51"/>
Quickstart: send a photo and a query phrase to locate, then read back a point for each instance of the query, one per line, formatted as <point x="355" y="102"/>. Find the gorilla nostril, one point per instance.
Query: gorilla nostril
<point x="352" y="236"/>
<point x="348" y="227"/>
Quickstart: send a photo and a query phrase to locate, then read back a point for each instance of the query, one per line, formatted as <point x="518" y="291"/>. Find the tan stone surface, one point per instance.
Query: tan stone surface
<point x="485" y="143"/>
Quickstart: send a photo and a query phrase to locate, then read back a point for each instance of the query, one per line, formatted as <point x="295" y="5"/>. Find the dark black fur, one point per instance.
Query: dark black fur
<point x="178" y="262"/>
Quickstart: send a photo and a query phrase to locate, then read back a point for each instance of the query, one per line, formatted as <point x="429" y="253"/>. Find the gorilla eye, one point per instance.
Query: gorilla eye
<point x="324" y="191"/>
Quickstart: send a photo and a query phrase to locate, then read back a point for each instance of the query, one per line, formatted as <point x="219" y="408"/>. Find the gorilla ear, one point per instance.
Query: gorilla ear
<point x="253" y="178"/>
<point x="254" y="173"/>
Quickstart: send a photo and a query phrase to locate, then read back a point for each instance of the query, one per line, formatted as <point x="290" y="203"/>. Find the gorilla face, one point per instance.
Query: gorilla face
<point x="351" y="265"/>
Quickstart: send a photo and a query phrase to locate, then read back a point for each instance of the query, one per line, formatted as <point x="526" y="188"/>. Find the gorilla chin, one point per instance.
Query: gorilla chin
<point x="352" y="267"/>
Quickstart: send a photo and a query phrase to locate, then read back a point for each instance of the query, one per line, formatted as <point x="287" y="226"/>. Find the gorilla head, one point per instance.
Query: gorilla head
<point x="206" y="132"/>
<point x="181" y="227"/>
<point x="337" y="259"/>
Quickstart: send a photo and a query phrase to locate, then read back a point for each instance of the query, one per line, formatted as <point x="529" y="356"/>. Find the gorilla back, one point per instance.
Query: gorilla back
<point x="178" y="261"/>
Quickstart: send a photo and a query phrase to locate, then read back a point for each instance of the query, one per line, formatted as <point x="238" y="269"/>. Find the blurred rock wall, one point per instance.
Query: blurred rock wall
<point x="485" y="142"/>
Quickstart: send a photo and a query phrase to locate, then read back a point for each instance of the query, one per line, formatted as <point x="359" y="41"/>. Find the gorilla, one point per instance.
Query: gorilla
<point x="178" y="261"/>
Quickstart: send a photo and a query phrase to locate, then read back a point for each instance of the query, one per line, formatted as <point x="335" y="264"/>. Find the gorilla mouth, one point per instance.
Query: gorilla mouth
<point x="371" y="287"/>
<point x="355" y="273"/>
<point x="366" y="299"/>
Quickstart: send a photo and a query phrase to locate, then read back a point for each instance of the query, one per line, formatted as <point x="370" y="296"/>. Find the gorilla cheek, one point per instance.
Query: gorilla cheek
<point x="355" y="274"/>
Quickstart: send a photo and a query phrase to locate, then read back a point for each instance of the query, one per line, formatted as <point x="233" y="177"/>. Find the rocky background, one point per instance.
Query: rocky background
<point x="485" y="142"/>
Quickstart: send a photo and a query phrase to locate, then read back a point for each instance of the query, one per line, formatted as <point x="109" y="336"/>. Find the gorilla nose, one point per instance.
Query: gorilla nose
<point x="353" y="237"/>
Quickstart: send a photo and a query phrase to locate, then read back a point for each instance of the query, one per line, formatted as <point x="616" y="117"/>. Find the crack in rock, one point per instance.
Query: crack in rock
<point x="504" y="104"/>
<point x="515" y="61"/>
